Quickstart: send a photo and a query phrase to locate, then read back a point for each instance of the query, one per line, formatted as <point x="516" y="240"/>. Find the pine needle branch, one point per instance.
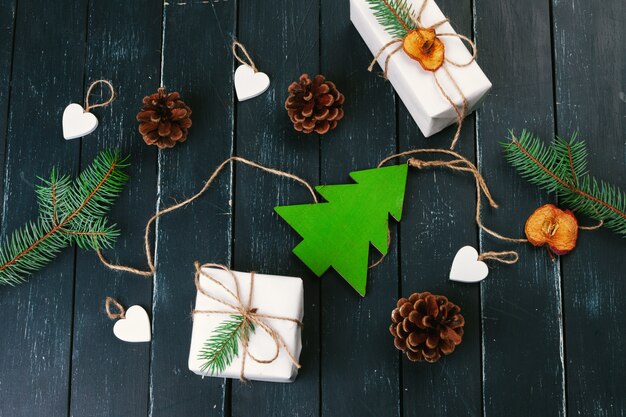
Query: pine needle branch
<point x="561" y="168"/>
<point x="70" y="212"/>
<point x="223" y="345"/>
<point x="394" y="16"/>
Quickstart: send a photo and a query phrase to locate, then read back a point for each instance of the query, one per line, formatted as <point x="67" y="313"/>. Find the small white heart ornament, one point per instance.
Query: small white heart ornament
<point x="134" y="327"/>
<point x="77" y="122"/>
<point x="248" y="83"/>
<point x="466" y="267"/>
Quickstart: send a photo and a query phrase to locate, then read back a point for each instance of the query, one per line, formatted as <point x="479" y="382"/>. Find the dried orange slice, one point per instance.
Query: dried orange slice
<point x="551" y="226"/>
<point x="425" y="47"/>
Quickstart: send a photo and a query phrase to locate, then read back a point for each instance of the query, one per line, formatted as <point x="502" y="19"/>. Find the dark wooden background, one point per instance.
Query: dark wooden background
<point x="542" y="338"/>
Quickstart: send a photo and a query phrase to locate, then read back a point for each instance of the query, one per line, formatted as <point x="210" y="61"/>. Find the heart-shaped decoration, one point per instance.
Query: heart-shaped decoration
<point x="77" y="122"/>
<point x="466" y="267"/>
<point x="134" y="327"/>
<point x="249" y="84"/>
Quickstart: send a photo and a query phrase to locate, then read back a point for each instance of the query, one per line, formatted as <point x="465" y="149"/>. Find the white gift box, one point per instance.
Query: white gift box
<point x="416" y="86"/>
<point x="273" y="296"/>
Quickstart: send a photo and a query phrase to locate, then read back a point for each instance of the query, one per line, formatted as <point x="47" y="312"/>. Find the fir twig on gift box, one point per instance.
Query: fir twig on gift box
<point x="262" y="312"/>
<point x="423" y="94"/>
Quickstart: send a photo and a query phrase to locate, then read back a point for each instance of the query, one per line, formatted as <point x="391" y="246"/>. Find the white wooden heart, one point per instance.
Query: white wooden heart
<point x="466" y="267"/>
<point x="77" y="122"/>
<point x="249" y="84"/>
<point x="134" y="327"/>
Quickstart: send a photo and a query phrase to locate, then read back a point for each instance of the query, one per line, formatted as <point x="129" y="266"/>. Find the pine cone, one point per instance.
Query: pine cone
<point x="426" y="326"/>
<point x="314" y="106"/>
<point x="164" y="119"/>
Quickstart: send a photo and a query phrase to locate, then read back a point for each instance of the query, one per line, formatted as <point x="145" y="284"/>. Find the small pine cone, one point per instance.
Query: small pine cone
<point x="426" y="326"/>
<point x="314" y="105"/>
<point x="164" y="119"/>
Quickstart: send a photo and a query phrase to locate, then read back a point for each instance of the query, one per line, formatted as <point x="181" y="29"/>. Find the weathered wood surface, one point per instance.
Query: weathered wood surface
<point x="542" y="338"/>
<point x="591" y="100"/>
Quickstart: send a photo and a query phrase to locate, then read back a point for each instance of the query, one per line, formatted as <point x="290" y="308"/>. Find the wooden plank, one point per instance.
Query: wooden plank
<point x="198" y="64"/>
<point x="521" y="306"/>
<point x="439" y="210"/>
<point x="7" y="30"/>
<point x="359" y="364"/>
<point x="282" y="37"/>
<point x="47" y="74"/>
<point x="110" y="377"/>
<point x="589" y="61"/>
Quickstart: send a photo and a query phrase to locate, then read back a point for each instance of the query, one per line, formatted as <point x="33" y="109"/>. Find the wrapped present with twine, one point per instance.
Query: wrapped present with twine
<point x="426" y="61"/>
<point x="246" y="325"/>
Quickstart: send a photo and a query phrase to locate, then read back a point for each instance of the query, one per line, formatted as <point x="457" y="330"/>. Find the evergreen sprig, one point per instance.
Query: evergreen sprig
<point x="561" y="168"/>
<point x="70" y="212"/>
<point x="394" y="16"/>
<point x="223" y="344"/>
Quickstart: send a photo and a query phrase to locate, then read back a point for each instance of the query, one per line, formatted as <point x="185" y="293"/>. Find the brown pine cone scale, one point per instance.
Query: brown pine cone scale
<point x="426" y="327"/>
<point x="164" y="119"/>
<point x="314" y="105"/>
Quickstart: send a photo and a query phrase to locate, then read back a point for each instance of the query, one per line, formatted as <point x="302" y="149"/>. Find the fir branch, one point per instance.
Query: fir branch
<point x="69" y="213"/>
<point x="223" y="345"/>
<point x="561" y="168"/>
<point x="394" y="16"/>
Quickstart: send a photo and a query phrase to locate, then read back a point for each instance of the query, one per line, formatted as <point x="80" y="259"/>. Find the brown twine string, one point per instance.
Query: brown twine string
<point x="249" y="61"/>
<point x="507" y="257"/>
<point x="594" y="227"/>
<point x="249" y="314"/>
<point x="121" y="314"/>
<point x="104" y="103"/>
<point x="461" y="112"/>
<point x="464" y="165"/>
<point x="207" y="184"/>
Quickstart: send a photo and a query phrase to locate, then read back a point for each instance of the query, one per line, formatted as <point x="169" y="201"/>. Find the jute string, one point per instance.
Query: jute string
<point x="460" y="163"/>
<point x="248" y="61"/>
<point x="207" y="185"/>
<point x="249" y="314"/>
<point x="89" y="106"/>
<point x="460" y="110"/>
<point x="121" y="312"/>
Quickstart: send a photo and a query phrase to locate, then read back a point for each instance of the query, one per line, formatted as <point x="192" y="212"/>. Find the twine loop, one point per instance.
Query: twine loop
<point x="249" y="314"/>
<point x="89" y="106"/>
<point x="460" y="110"/>
<point x="248" y="61"/>
<point x="121" y="312"/>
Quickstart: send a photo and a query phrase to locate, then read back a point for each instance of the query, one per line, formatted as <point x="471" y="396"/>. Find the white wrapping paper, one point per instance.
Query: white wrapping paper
<point x="272" y="295"/>
<point x="415" y="86"/>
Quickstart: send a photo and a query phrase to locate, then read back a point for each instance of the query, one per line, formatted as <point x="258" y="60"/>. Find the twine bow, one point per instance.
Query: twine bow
<point x="422" y="44"/>
<point x="249" y="314"/>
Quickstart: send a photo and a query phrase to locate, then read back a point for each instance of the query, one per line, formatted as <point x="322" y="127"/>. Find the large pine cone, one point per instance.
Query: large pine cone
<point x="426" y="326"/>
<point x="314" y="106"/>
<point x="164" y="119"/>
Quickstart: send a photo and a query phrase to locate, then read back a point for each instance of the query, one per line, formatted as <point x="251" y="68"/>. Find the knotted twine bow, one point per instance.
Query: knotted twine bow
<point x="249" y="314"/>
<point x="423" y="45"/>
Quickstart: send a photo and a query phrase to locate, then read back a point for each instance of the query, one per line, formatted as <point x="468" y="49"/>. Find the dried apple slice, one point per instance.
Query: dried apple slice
<point x="551" y="226"/>
<point x="425" y="47"/>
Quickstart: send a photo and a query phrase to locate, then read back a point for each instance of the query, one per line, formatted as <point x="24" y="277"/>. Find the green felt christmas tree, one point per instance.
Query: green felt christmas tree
<point x="338" y="233"/>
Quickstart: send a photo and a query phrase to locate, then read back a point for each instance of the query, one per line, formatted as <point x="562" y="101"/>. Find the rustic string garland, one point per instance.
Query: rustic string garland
<point x="428" y="47"/>
<point x="148" y="251"/>
<point x="249" y="314"/>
